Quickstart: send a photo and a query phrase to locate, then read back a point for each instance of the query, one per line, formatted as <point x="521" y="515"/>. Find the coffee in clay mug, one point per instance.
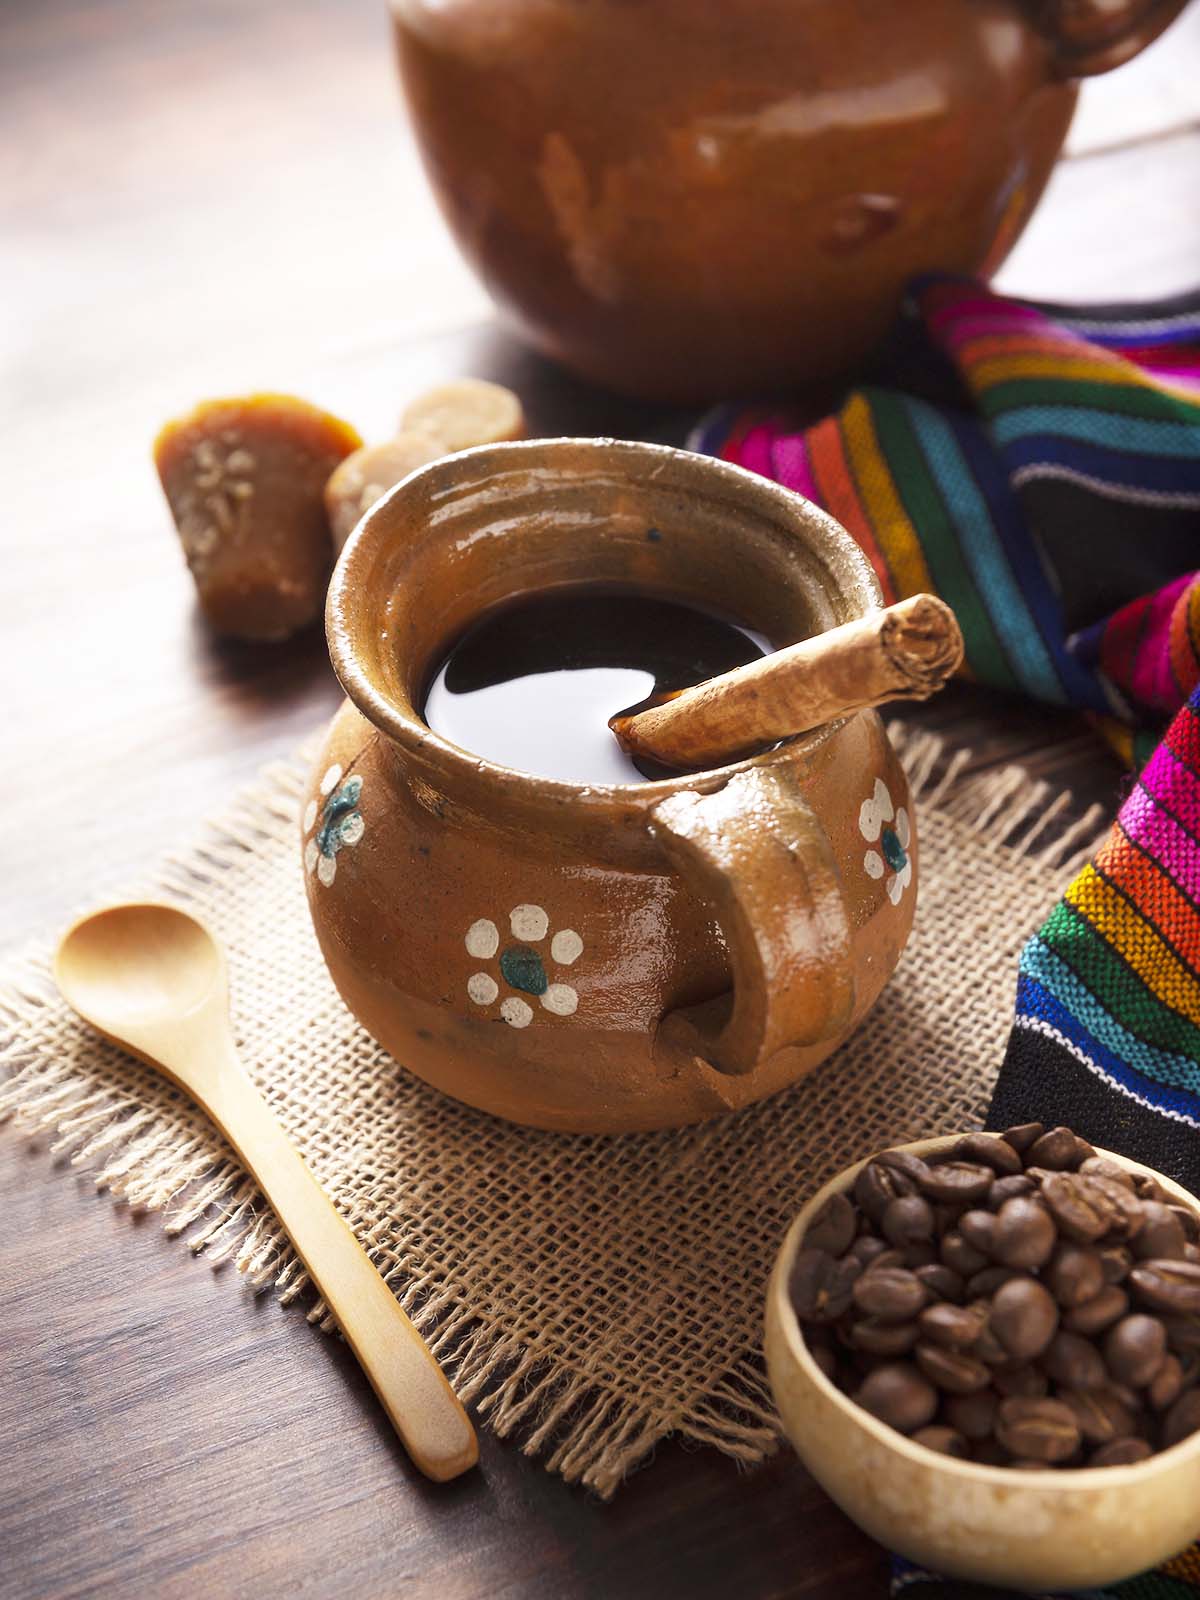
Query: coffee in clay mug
<point x="587" y="958"/>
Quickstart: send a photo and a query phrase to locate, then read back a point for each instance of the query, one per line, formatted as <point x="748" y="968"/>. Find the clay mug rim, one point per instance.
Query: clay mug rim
<point x="789" y="1359"/>
<point x="397" y="716"/>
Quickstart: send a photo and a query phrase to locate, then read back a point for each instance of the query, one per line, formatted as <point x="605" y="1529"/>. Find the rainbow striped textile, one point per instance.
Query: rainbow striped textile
<point x="1038" y="467"/>
<point x="1107" y="1028"/>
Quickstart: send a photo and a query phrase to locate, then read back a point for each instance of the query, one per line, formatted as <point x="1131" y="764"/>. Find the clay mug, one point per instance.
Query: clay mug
<point x="686" y="200"/>
<point x="586" y="958"/>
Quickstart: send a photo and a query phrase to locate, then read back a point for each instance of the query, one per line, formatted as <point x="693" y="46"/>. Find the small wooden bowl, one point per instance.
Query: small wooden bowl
<point x="1074" y="1528"/>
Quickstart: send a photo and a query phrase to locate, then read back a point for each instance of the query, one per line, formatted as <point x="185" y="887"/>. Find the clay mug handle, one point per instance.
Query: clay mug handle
<point x="1092" y="36"/>
<point x="757" y="854"/>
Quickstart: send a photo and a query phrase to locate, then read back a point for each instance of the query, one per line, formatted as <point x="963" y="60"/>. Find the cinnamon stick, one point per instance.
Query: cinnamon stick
<point x="906" y="651"/>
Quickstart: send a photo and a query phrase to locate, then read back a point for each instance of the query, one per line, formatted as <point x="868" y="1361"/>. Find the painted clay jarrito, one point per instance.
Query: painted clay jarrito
<point x="583" y="957"/>
<point x="907" y="651"/>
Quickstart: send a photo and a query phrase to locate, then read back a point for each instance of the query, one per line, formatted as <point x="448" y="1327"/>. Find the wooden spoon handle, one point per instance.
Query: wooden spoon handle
<point x="411" y="1386"/>
<point x="905" y="651"/>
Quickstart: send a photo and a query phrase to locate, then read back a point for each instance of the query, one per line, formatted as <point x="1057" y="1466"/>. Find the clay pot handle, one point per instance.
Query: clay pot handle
<point x="1094" y="36"/>
<point x="755" y="851"/>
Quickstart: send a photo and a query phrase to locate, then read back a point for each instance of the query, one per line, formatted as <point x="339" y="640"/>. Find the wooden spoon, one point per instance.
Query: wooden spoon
<point x="905" y="651"/>
<point x="152" y="979"/>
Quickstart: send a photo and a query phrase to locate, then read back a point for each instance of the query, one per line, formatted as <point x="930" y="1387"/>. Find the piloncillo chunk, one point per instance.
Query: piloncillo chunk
<point x="245" y="478"/>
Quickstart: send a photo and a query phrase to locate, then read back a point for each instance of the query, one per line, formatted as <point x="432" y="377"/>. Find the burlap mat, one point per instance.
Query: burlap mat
<point x="590" y="1296"/>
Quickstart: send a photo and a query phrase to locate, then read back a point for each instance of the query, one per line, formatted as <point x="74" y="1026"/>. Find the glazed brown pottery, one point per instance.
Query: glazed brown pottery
<point x="598" y="959"/>
<point x="685" y="200"/>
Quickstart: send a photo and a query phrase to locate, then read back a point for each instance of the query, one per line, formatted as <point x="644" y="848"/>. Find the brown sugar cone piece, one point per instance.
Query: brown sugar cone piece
<point x="906" y="651"/>
<point x="367" y="475"/>
<point x="466" y="412"/>
<point x="245" y="480"/>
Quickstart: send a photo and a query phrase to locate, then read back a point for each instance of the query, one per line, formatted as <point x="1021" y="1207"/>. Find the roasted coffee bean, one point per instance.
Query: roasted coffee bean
<point x="990" y="1279"/>
<point x="972" y="1415"/>
<point x="953" y="1326"/>
<point x="957" y="1182"/>
<point x="1182" y="1420"/>
<point x="1058" y="1151"/>
<point x="1161" y="1234"/>
<point x="1074" y="1362"/>
<point x="1075" y="1274"/>
<point x="1027" y="1381"/>
<point x="1005" y="1189"/>
<point x="1024" y="1136"/>
<point x="899" y="1395"/>
<point x="1128" y="1212"/>
<point x="1167" y="1285"/>
<point x="1120" y="1453"/>
<point x="834" y="1227"/>
<point x="903" y="1161"/>
<point x="942" y="1283"/>
<point x="886" y="1258"/>
<point x="1024" y="1234"/>
<point x="1191" y="1252"/>
<point x="1166" y="1385"/>
<point x="893" y="1294"/>
<point x="1079" y="1207"/>
<point x="880" y="1338"/>
<point x="867" y="1247"/>
<point x="1038" y="1430"/>
<point x="1100" y="1414"/>
<point x="961" y="1257"/>
<point x="1102" y="1167"/>
<point x="921" y="1254"/>
<point x="986" y="1150"/>
<point x="978" y="1229"/>
<point x="820" y="1286"/>
<point x="955" y="1371"/>
<point x="1148" y="1188"/>
<point x="878" y="1185"/>
<point x="907" y="1220"/>
<point x="1024" y="1318"/>
<point x="1116" y="1261"/>
<point x="1183" y="1334"/>
<point x="1188" y="1221"/>
<point x="1101" y="1311"/>
<point x="1124" y="1395"/>
<point x="944" y="1440"/>
<point x="1135" y="1349"/>
<point x="987" y="1347"/>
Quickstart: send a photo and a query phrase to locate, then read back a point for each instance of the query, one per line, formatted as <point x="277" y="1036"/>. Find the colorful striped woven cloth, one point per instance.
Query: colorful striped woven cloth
<point x="1040" y="469"/>
<point x="1036" y="466"/>
<point x="1106" y="1035"/>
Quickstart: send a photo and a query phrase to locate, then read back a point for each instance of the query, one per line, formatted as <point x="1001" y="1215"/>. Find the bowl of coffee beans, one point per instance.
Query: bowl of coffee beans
<point x="986" y="1349"/>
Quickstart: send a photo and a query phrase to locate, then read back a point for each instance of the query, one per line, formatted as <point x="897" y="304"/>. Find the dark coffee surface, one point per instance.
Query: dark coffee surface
<point x="532" y="684"/>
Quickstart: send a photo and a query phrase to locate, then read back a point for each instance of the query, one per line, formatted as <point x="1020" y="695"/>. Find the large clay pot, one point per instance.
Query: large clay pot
<point x="688" y="946"/>
<point x="684" y="199"/>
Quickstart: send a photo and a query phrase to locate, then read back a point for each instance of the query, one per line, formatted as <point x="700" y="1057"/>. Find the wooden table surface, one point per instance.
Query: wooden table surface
<point x="201" y="199"/>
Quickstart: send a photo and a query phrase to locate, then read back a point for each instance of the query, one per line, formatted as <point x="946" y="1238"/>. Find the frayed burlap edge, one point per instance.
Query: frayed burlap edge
<point x="149" y="1157"/>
